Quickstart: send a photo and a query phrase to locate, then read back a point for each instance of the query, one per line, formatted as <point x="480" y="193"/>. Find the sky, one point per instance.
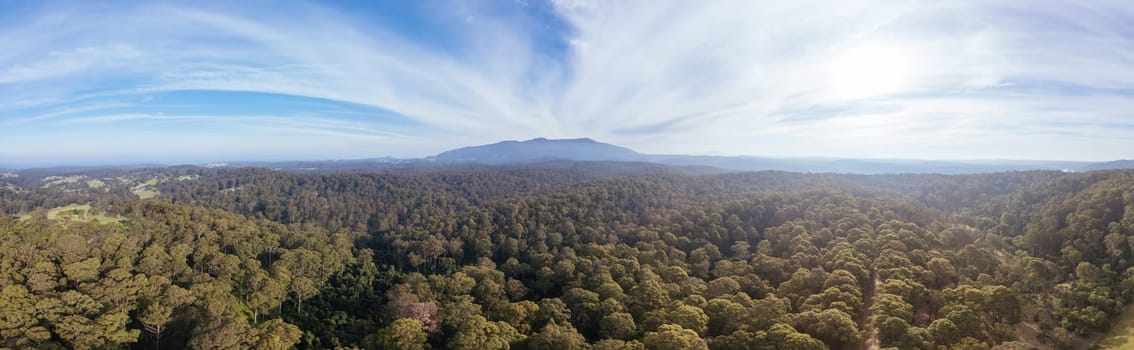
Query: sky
<point x="206" y="81"/>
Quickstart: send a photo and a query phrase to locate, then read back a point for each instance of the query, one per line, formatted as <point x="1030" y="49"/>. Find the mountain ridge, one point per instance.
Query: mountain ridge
<point x="536" y="151"/>
<point x="539" y="149"/>
<point x="1114" y="164"/>
<point x="587" y="149"/>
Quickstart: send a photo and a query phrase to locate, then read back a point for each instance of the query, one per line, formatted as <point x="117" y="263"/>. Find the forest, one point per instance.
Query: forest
<point x="599" y="256"/>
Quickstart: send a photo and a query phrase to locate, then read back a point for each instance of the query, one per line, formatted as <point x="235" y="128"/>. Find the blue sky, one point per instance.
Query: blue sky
<point x="120" y="82"/>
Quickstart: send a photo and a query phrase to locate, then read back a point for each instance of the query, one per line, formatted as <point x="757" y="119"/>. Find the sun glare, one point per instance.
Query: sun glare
<point x="868" y="71"/>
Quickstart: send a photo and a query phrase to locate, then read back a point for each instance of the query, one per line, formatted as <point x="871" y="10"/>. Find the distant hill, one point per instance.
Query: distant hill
<point x="543" y="152"/>
<point x="585" y="149"/>
<point x="1117" y="164"/>
<point x="866" y="166"/>
<point x="541" y="149"/>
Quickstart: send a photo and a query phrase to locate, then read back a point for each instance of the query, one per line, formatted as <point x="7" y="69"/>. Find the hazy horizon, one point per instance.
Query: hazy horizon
<point x="95" y="163"/>
<point x="178" y="82"/>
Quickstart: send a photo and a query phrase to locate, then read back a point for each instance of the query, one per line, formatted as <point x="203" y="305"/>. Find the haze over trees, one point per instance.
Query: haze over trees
<point x="595" y="256"/>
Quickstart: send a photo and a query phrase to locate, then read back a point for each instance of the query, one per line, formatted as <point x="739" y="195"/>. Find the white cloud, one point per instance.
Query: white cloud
<point x="722" y="75"/>
<point x="979" y="79"/>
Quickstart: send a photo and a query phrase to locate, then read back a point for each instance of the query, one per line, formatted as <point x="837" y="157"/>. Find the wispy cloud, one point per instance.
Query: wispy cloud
<point x="959" y="79"/>
<point x="732" y="77"/>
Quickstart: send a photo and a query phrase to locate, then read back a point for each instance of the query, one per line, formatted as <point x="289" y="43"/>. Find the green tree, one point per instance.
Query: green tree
<point x="552" y="310"/>
<point x="19" y="326"/>
<point x="832" y="326"/>
<point x="722" y="286"/>
<point x="673" y="337"/>
<point x="402" y="334"/>
<point x="614" y="344"/>
<point x="618" y="325"/>
<point x="783" y="336"/>
<point x="942" y="331"/>
<point x="479" y="333"/>
<point x="223" y="333"/>
<point x="647" y="296"/>
<point x="555" y="337"/>
<point x="276" y="334"/>
<point x="969" y="343"/>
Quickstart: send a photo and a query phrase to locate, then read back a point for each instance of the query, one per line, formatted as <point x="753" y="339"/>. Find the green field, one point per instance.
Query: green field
<point x="59" y="180"/>
<point x="146" y="190"/>
<point x="145" y="193"/>
<point x="76" y="212"/>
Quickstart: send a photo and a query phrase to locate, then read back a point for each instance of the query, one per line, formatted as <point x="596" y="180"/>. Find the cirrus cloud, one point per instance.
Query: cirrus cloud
<point x="907" y="79"/>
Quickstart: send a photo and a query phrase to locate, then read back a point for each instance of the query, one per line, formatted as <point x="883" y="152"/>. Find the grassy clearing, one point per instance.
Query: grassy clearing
<point x="145" y="192"/>
<point x="76" y="212"/>
<point x="59" y="180"/>
<point x="1121" y="334"/>
<point x="95" y="184"/>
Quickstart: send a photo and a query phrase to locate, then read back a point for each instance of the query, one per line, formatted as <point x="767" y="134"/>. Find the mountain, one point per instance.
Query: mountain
<point x="585" y="149"/>
<point x="540" y="149"/>
<point x="543" y="152"/>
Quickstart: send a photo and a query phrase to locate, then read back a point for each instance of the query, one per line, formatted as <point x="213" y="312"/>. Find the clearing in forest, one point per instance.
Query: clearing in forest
<point x="76" y="212"/>
<point x="1121" y="333"/>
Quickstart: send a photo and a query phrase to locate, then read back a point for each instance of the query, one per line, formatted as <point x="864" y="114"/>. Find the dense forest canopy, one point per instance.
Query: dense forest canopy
<point x="582" y="256"/>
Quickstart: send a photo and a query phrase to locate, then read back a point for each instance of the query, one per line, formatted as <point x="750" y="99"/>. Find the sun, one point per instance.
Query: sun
<point x="867" y="71"/>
